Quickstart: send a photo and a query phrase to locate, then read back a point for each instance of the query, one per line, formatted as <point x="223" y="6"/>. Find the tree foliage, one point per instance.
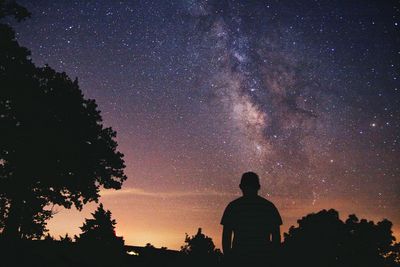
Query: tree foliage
<point x="200" y="249"/>
<point x="54" y="148"/>
<point x="98" y="234"/>
<point x="100" y="229"/>
<point x="65" y="239"/>
<point x="322" y="239"/>
<point x="12" y="8"/>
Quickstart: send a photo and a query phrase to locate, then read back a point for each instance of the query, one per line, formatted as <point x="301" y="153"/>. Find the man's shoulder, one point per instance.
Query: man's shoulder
<point x="265" y="202"/>
<point x="243" y="201"/>
<point x="235" y="202"/>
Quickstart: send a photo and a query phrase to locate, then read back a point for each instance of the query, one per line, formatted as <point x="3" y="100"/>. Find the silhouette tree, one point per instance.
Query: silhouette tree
<point x="322" y="239"/>
<point x="149" y="251"/>
<point x="33" y="219"/>
<point x="54" y="148"/>
<point x="48" y="238"/>
<point x="200" y="249"/>
<point x="371" y="244"/>
<point x="149" y="246"/>
<point x="392" y="259"/>
<point x="65" y="239"/>
<point x="12" y="8"/>
<point x="98" y="244"/>
<point x="100" y="230"/>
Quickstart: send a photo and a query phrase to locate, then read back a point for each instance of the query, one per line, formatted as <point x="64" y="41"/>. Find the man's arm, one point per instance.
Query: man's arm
<point x="226" y="240"/>
<point x="276" y="236"/>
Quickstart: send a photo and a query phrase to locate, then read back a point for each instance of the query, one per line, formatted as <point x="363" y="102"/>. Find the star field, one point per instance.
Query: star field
<point x="305" y="93"/>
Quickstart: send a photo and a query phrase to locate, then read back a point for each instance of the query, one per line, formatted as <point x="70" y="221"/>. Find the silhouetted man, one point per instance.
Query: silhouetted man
<point x="254" y="223"/>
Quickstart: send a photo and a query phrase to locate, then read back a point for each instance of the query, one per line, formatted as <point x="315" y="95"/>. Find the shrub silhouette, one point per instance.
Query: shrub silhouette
<point x="200" y="249"/>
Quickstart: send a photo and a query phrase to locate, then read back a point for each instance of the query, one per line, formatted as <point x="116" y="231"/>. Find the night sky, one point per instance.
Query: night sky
<point x="305" y="93"/>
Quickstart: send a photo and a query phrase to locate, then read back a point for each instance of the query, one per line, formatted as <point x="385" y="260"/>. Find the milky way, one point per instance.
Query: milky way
<point x="304" y="93"/>
<point x="287" y="113"/>
<point x="272" y="102"/>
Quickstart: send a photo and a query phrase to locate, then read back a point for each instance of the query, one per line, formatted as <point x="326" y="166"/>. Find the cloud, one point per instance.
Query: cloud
<point x="133" y="191"/>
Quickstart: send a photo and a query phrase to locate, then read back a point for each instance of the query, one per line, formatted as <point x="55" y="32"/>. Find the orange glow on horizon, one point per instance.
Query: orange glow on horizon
<point x="162" y="219"/>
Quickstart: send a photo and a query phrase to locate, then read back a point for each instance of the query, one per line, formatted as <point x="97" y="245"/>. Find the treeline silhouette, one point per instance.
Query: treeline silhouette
<point x="320" y="239"/>
<point x="54" y="150"/>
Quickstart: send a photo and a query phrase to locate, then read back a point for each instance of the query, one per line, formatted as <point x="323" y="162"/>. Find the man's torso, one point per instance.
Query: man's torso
<point x="252" y="221"/>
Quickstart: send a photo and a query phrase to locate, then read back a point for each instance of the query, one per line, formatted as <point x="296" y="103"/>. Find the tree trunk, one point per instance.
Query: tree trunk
<point x="13" y="221"/>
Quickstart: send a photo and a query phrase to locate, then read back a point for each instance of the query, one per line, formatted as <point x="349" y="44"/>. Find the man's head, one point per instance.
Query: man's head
<point x="250" y="184"/>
